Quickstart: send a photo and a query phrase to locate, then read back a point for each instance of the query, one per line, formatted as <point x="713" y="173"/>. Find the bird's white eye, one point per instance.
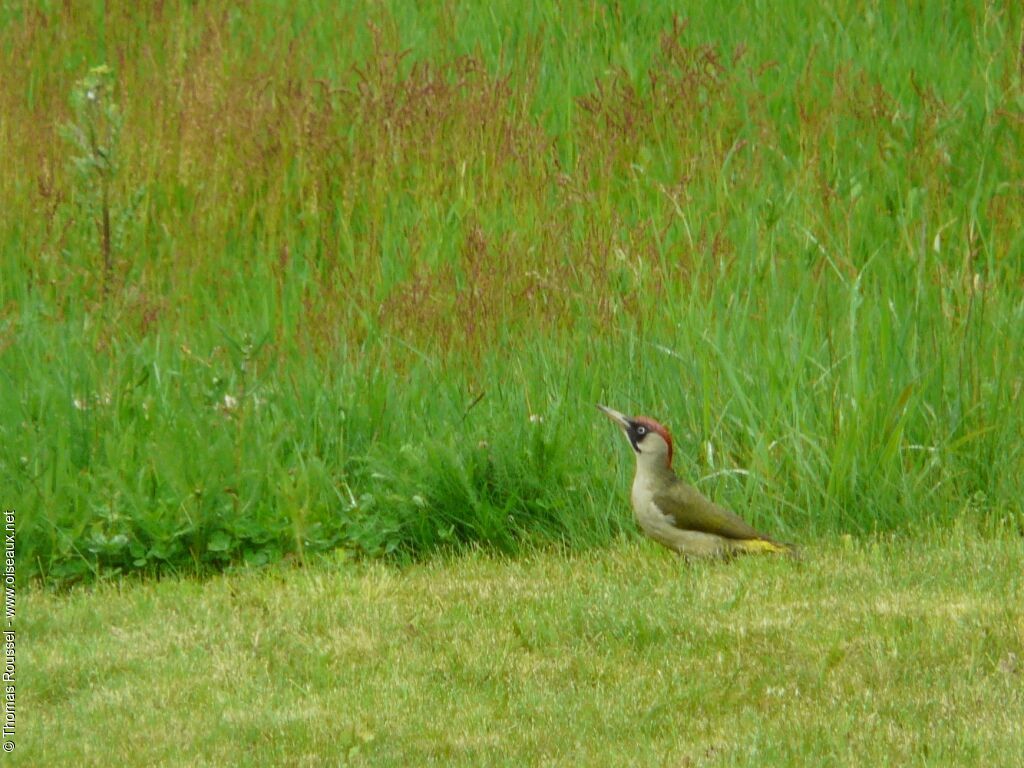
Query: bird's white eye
<point x="641" y="430"/>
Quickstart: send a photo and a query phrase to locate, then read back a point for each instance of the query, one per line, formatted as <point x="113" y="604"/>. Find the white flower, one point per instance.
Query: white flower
<point x="79" y="403"/>
<point x="536" y="418"/>
<point x="90" y="95"/>
<point x="230" y="403"/>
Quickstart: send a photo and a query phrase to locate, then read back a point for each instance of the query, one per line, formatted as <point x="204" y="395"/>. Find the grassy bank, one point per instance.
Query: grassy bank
<point x="864" y="653"/>
<point x="288" y="277"/>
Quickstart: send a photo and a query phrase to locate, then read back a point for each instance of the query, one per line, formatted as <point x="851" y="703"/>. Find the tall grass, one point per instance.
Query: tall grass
<point x="375" y="265"/>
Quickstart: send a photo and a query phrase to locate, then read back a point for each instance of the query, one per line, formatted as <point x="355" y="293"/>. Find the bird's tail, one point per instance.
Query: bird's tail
<point x="755" y="546"/>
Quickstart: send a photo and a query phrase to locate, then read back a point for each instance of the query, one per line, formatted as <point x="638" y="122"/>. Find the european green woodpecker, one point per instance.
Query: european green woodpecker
<point x="675" y="514"/>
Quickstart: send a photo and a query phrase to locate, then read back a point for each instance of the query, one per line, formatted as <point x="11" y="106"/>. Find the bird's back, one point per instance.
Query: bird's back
<point x="692" y="511"/>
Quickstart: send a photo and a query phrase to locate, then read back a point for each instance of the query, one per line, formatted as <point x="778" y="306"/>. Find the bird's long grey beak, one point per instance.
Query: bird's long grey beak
<point x="615" y="416"/>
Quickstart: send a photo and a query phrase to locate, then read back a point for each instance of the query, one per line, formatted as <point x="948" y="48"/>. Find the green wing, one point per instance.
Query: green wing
<point x="691" y="511"/>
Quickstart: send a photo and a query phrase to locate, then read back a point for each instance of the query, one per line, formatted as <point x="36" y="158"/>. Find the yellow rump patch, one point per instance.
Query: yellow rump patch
<point x="760" y="545"/>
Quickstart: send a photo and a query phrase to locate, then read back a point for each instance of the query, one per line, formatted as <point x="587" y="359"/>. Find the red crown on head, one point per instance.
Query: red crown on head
<point x="658" y="427"/>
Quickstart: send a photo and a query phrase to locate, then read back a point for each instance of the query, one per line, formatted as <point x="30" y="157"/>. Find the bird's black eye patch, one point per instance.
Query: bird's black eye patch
<point x="637" y="432"/>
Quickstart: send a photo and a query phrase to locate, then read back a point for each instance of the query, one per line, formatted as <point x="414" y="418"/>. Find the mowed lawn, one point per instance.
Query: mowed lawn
<point x="878" y="652"/>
